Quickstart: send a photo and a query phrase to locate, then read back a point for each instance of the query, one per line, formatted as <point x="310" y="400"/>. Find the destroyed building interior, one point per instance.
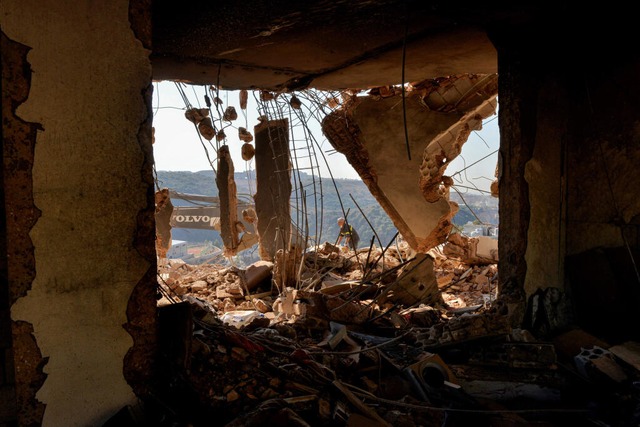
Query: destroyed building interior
<point x="98" y="328"/>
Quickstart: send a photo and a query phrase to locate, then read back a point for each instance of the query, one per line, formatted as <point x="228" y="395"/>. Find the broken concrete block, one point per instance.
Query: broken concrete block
<point x="596" y="362"/>
<point x="199" y="285"/>
<point x="368" y="130"/>
<point x="472" y="250"/>
<point x="416" y="283"/>
<point x="261" y="305"/>
<point x="487" y="248"/>
<point x="257" y="273"/>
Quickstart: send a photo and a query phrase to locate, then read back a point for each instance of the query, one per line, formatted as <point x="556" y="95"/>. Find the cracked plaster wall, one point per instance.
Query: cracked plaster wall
<point x="92" y="184"/>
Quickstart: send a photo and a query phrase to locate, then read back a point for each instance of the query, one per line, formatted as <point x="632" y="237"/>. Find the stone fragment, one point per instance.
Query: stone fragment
<point x="261" y="306"/>
<point x="256" y="273"/>
<point x="206" y="129"/>
<point x="232" y="396"/>
<point x="229" y="114"/>
<point x="199" y="285"/>
<point x="195" y="115"/>
<point x="248" y="151"/>
<point x="244" y="135"/>
<point x="244" y="95"/>
<point x="265" y="95"/>
<point x="295" y="102"/>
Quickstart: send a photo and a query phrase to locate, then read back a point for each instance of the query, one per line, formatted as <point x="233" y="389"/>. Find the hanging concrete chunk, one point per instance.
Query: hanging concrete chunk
<point x="206" y="129"/>
<point x="244" y="135"/>
<point x="230" y="114"/>
<point x="295" y="102"/>
<point x="244" y="95"/>
<point x="195" y="115"/>
<point x="248" y="151"/>
<point x="228" y="202"/>
<point x="273" y="188"/>
<point x="409" y="183"/>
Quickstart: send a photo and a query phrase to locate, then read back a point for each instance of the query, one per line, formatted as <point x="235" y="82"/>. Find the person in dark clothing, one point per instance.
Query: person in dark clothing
<point x="349" y="234"/>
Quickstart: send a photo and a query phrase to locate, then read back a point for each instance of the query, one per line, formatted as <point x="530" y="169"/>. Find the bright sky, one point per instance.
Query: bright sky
<point x="177" y="146"/>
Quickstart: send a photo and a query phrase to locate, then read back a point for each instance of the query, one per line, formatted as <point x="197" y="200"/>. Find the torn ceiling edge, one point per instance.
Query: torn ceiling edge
<point x="409" y="181"/>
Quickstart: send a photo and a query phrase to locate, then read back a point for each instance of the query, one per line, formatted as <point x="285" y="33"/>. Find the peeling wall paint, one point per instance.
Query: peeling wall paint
<point x="91" y="181"/>
<point x="20" y="383"/>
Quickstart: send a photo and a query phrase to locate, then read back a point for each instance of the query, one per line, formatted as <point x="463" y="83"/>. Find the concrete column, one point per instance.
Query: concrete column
<point x="273" y="188"/>
<point x="228" y="201"/>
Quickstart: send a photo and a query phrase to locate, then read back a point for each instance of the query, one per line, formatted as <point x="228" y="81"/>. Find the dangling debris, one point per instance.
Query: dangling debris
<point x="295" y="102"/>
<point x="221" y="135"/>
<point x="195" y="115"/>
<point x="206" y="129"/>
<point x="244" y="95"/>
<point x="228" y="201"/>
<point x="249" y="215"/>
<point x="495" y="188"/>
<point x="248" y="151"/>
<point x="230" y="114"/>
<point x="333" y="102"/>
<point x="164" y="209"/>
<point x="265" y="95"/>
<point x="244" y="135"/>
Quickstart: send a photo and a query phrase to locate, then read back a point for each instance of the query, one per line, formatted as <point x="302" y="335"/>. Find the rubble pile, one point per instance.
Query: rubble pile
<point x="339" y="349"/>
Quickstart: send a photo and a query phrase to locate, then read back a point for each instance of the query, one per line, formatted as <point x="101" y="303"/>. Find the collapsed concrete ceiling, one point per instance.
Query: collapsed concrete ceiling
<point x="329" y="45"/>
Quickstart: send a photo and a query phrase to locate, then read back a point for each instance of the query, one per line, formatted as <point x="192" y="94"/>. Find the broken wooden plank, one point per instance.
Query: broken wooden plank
<point x="629" y="352"/>
<point x="367" y="411"/>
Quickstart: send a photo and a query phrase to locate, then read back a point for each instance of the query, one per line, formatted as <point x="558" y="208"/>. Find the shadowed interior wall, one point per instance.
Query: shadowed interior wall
<point x="91" y="178"/>
<point x="569" y="139"/>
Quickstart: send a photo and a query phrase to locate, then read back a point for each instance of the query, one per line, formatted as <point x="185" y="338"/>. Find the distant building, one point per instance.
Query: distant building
<point x="476" y="230"/>
<point x="178" y="250"/>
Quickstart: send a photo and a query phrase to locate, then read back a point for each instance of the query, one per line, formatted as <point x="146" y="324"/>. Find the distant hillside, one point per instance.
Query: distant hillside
<point x="321" y="197"/>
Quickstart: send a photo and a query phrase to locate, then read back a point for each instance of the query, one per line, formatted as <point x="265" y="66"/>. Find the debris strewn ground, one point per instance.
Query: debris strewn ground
<point x="342" y="348"/>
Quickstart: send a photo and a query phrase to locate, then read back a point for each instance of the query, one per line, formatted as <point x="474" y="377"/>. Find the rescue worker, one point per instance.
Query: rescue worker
<point x="349" y="234"/>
